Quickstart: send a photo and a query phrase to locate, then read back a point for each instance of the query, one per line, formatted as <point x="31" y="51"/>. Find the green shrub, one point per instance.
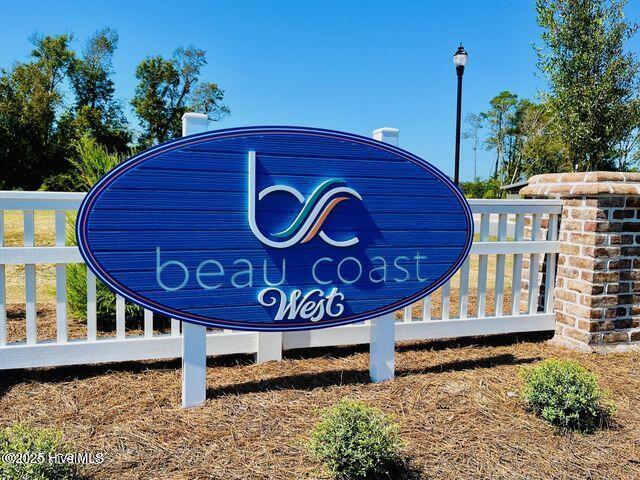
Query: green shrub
<point x="489" y="188"/>
<point x="21" y="438"/>
<point x="63" y="182"/>
<point x="566" y="395"/>
<point x="90" y="163"/>
<point x="356" y="441"/>
<point x="105" y="300"/>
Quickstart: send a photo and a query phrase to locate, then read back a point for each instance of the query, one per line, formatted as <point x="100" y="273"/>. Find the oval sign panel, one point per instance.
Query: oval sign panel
<point x="274" y="228"/>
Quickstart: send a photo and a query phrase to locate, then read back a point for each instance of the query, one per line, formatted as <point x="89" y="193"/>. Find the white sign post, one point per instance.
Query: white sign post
<point x="194" y="337"/>
<point x="383" y="329"/>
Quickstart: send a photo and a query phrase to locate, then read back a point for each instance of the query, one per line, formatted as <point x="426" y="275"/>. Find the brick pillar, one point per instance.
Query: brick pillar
<point x="597" y="289"/>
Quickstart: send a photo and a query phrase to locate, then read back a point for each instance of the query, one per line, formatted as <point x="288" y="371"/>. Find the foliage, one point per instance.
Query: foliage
<point x="62" y="182"/>
<point x="500" y="119"/>
<point x="20" y="438"/>
<point x="58" y="96"/>
<point x="105" y="300"/>
<point x="482" y="189"/>
<point x="168" y="88"/>
<point x="594" y="82"/>
<point x="475" y="124"/>
<point x="32" y="144"/>
<point x="566" y="395"/>
<point x="523" y="137"/>
<point x="355" y="441"/>
<point x="90" y="163"/>
<point x="543" y="150"/>
<point x="96" y="111"/>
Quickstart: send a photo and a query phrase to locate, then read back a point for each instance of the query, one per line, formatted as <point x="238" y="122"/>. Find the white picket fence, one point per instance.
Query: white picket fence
<point x="500" y="240"/>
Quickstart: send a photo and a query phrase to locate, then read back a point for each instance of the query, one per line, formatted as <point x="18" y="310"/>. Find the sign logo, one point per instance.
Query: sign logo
<point x="274" y="228"/>
<point x="314" y="211"/>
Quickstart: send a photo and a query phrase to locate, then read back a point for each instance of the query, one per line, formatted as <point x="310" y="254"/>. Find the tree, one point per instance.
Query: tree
<point x="523" y="136"/>
<point x="543" y="150"/>
<point x="32" y="145"/>
<point x="96" y="111"/>
<point x="499" y="119"/>
<point x="594" y="82"/>
<point x="475" y="124"/>
<point x="628" y="149"/>
<point x="167" y="88"/>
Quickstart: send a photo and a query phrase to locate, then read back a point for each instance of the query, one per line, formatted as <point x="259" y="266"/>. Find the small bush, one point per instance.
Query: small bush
<point x="356" y="441"/>
<point x="21" y="438"/>
<point x="91" y="162"/>
<point x="489" y="188"/>
<point x="63" y="182"/>
<point x="105" y="300"/>
<point x="566" y="395"/>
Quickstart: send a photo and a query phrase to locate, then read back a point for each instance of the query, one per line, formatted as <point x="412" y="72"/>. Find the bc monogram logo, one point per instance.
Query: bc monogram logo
<point x="315" y="210"/>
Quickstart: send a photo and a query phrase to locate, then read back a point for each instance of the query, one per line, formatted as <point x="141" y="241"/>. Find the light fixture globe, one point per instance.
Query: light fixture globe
<point x="460" y="57"/>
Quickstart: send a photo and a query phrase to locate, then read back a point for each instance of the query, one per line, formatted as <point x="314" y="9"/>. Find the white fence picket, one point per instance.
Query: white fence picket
<point x="3" y="306"/>
<point x="120" y="318"/>
<point x="92" y="322"/>
<point x="482" y="266"/>
<point x="148" y="323"/>
<point x="500" y="260"/>
<point x="30" y="279"/>
<point x="464" y="289"/>
<point x="446" y="300"/>
<point x="61" y="278"/>
<point x="534" y="265"/>
<point x="516" y="286"/>
<point x="426" y="308"/>
<point x="175" y="327"/>
<point x="551" y="265"/>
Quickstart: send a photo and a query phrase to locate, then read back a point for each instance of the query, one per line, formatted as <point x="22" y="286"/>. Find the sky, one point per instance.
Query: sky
<point x="345" y="65"/>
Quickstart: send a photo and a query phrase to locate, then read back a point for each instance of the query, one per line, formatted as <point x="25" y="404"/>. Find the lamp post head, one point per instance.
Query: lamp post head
<point x="460" y="59"/>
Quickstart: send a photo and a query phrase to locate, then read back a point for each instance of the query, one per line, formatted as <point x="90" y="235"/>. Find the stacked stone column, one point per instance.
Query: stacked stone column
<point x="597" y="289"/>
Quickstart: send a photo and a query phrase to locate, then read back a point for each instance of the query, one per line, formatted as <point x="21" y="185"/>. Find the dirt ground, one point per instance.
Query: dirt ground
<point x="456" y="402"/>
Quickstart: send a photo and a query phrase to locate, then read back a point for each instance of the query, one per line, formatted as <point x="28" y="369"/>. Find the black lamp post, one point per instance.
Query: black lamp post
<point x="459" y="60"/>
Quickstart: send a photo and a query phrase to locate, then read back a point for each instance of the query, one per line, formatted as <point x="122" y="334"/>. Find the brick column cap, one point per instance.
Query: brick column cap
<point x="581" y="184"/>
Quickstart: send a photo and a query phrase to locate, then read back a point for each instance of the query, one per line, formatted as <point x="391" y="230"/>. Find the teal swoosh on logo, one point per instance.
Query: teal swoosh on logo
<point x="308" y="207"/>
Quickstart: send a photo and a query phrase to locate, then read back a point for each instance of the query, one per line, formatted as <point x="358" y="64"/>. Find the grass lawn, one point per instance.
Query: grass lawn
<point x="45" y="274"/>
<point x="457" y="405"/>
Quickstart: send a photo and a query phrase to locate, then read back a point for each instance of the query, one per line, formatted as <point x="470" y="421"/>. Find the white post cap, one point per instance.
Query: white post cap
<point x="194" y="123"/>
<point x="387" y="135"/>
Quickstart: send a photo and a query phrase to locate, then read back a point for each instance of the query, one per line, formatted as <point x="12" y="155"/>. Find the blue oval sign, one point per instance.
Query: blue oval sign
<point x="274" y="228"/>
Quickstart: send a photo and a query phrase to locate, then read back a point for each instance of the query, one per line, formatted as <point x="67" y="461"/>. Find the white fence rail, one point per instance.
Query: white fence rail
<point x="484" y="297"/>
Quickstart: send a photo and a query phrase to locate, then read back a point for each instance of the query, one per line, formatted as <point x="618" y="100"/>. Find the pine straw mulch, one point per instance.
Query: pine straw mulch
<point x="456" y="403"/>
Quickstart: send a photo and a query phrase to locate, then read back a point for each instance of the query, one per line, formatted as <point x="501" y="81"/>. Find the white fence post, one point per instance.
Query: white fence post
<point x="382" y="330"/>
<point x="269" y="346"/>
<point x="194" y="337"/>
